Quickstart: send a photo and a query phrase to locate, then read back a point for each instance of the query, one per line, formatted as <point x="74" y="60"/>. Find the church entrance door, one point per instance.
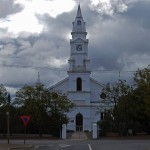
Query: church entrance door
<point x="79" y="122"/>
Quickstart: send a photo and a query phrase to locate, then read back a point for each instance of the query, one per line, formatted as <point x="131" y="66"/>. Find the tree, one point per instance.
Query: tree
<point x="131" y="104"/>
<point x="107" y="124"/>
<point x="44" y="107"/>
<point x="142" y="88"/>
<point x="114" y="93"/>
<point x="3" y="95"/>
<point x="5" y="107"/>
<point x="129" y="114"/>
<point x="58" y="106"/>
<point x="142" y="83"/>
<point x="30" y="101"/>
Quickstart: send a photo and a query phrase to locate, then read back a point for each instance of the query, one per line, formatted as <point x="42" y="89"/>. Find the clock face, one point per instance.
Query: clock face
<point x="79" y="47"/>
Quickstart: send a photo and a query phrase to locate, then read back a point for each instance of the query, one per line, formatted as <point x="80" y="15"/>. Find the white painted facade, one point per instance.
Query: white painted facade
<point x="79" y="87"/>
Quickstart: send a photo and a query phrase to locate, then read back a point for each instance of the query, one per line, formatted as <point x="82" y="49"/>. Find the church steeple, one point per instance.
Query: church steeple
<point x="79" y="24"/>
<point x="79" y="61"/>
<point x="38" y="79"/>
<point x="79" y="14"/>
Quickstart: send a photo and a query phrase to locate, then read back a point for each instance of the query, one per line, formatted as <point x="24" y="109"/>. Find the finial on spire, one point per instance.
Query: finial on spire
<point x="38" y="79"/>
<point x="79" y="14"/>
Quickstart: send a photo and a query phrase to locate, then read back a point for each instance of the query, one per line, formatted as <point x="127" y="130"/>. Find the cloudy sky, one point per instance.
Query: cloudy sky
<point x="35" y="34"/>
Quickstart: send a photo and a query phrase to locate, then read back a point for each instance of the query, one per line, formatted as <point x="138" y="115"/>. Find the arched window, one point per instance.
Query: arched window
<point x="102" y="116"/>
<point x="79" y="22"/>
<point x="79" y="84"/>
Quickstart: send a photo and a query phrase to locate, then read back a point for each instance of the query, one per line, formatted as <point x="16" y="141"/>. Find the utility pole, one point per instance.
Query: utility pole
<point x="7" y="114"/>
<point x="8" y="131"/>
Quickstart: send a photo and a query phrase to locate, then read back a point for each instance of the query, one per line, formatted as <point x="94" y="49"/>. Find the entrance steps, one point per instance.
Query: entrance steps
<point x="79" y="135"/>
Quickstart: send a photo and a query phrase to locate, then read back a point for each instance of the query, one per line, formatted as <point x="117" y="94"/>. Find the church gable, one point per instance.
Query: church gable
<point x="96" y="88"/>
<point x="61" y="86"/>
<point x="96" y="82"/>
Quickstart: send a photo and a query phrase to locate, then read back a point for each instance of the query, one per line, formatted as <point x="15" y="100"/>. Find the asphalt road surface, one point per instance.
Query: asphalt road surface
<point x="81" y="144"/>
<point x="64" y="147"/>
<point x="95" y="145"/>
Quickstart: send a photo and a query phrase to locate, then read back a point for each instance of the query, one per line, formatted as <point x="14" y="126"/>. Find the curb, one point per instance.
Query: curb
<point x="20" y="147"/>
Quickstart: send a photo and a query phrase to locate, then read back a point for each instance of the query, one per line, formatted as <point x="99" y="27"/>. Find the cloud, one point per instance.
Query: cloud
<point x="139" y="13"/>
<point x="22" y="58"/>
<point x="117" y="38"/>
<point x="120" y="42"/>
<point x="9" y="7"/>
<point x="117" y="42"/>
<point x="26" y="20"/>
<point x="108" y="7"/>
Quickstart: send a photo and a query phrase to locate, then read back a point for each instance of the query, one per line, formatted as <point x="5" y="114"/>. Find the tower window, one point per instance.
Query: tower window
<point x="79" y="84"/>
<point x="79" y="22"/>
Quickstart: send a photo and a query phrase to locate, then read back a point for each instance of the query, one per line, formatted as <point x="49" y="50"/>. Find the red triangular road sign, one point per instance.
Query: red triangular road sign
<point x="25" y="119"/>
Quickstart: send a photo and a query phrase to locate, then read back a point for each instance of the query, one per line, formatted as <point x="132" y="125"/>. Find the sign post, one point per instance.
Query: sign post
<point x="25" y="120"/>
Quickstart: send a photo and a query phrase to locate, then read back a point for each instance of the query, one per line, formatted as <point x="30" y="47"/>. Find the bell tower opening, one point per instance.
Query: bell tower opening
<point x="79" y="22"/>
<point x="79" y="122"/>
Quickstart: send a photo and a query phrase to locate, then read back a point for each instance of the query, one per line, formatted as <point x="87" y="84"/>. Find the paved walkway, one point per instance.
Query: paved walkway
<point x="79" y="135"/>
<point x="15" y="146"/>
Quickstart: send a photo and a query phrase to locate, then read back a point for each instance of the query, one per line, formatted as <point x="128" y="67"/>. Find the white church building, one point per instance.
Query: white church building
<point x="79" y="87"/>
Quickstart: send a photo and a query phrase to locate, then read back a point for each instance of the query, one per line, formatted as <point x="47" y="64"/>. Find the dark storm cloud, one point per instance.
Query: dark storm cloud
<point x="9" y="7"/>
<point x="139" y="13"/>
<point x="121" y="36"/>
<point x="116" y="39"/>
<point x="118" y="42"/>
<point x="25" y="57"/>
<point x="49" y="49"/>
<point x="56" y="31"/>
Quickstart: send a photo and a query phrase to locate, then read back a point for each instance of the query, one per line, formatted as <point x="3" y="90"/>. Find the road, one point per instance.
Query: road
<point x="85" y="144"/>
<point x="64" y="147"/>
<point x="97" y="145"/>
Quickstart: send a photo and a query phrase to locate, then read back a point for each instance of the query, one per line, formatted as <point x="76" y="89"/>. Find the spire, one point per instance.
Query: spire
<point x="79" y="24"/>
<point x="38" y="79"/>
<point x="79" y="14"/>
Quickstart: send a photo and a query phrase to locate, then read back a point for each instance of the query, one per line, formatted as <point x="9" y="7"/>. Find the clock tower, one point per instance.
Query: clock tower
<point x="79" y="90"/>
<point x="79" y="64"/>
<point x="79" y="61"/>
